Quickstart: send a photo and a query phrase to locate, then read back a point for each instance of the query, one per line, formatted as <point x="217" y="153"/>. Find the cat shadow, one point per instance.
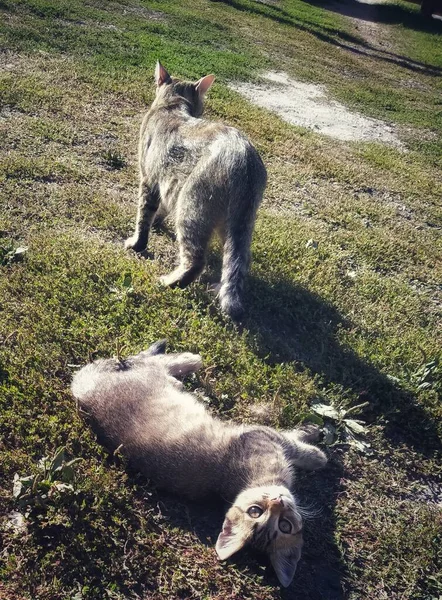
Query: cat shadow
<point x="288" y="323"/>
<point x="164" y="227"/>
<point x="320" y="568"/>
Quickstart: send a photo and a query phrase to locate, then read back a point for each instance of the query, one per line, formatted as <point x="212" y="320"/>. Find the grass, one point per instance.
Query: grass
<point x="351" y="318"/>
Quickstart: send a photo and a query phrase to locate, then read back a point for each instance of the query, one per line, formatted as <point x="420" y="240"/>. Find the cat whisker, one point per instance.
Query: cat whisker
<point x="309" y="513"/>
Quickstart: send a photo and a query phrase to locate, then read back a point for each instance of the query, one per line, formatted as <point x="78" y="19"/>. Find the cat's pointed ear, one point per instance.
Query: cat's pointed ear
<point x="161" y="75"/>
<point x="285" y="563"/>
<point x="204" y="84"/>
<point x="229" y="541"/>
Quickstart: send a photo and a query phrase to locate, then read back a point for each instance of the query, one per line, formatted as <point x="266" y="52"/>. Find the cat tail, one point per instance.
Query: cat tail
<point x="238" y="237"/>
<point x="236" y="259"/>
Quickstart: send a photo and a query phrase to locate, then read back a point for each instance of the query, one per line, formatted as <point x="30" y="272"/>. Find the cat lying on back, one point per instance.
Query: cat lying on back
<point x="207" y="175"/>
<point x="140" y="404"/>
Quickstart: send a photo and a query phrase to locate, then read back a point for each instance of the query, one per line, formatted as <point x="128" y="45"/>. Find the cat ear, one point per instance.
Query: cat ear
<point x="204" y="84"/>
<point x="161" y="75"/>
<point x="285" y="564"/>
<point x="229" y="541"/>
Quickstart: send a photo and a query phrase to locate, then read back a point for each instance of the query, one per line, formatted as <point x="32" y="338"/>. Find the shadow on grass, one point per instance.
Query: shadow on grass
<point x="319" y="572"/>
<point x="318" y="576"/>
<point x="104" y="556"/>
<point x="389" y="14"/>
<point x="289" y="323"/>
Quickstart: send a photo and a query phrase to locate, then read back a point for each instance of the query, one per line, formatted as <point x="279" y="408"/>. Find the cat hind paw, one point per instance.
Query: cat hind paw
<point x="133" y="243"/>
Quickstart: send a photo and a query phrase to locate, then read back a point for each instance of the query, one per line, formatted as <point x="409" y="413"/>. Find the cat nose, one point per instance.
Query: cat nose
<point x="276" y="501"/>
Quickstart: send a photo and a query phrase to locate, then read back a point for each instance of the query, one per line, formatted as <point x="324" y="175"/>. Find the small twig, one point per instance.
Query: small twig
<point x="8" y="337"/>
<point x="117" y="450"/>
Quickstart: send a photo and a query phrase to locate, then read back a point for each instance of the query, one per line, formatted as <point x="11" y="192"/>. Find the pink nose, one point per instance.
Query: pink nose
<point x="276" y="501"/>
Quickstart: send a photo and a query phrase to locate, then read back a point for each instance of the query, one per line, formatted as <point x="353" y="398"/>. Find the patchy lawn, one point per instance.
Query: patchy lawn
<point x="344" y="296"/>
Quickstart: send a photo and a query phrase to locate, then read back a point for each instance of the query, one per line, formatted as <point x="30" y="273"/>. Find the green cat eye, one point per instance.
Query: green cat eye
<point x="285" y="526"/>
<point x="255" y="512"/>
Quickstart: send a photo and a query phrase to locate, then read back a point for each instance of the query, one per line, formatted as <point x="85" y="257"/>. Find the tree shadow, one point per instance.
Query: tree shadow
<point x="344" y="40"/>
<point x="288" y="323"/>
<point x="390" y="14"/>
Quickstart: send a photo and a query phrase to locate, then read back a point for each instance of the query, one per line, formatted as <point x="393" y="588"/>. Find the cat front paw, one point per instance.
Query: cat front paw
<point x="314" y="459"/>
<point x="134" y="243"/>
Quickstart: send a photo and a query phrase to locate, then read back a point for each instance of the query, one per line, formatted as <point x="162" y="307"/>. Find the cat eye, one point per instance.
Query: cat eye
<point x="255" y="512"/>
<point x="285" y="526"/>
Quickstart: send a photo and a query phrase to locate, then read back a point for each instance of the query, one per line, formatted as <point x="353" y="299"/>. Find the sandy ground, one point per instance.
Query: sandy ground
<point x="308" y="105"/>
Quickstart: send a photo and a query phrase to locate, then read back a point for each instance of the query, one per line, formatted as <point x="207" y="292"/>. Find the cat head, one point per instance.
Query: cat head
<point x="193" y="93"/>
<point x="267" y="518"/>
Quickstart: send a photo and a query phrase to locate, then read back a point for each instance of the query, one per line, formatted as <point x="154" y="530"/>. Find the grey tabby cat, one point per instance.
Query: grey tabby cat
<point x="140" y="405"/>
<point x="207" y="175"/>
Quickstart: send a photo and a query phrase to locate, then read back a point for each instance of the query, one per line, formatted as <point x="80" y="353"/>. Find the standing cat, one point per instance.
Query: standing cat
<point x="208" y="175"/>
<point x="167" y="434"/>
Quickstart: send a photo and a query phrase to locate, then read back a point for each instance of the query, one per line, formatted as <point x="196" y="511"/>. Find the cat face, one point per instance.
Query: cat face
<point x="192" y="92"/>
<point x="267" y="518"/>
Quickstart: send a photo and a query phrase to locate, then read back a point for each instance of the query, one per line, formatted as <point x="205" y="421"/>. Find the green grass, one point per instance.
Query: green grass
<point x="352" y="318"/>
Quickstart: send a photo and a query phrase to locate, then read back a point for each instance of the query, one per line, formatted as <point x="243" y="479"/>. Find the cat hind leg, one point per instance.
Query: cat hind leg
<point x="180" y="365"/>
<point x="304" y="455"/>
<point x="176" y="364"/>
<point x="193" y="239"/>
<point x="307" y="433"/>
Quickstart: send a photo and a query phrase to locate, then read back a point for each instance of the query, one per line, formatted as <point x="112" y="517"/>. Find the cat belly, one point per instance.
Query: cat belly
<point x="180" y="469"/>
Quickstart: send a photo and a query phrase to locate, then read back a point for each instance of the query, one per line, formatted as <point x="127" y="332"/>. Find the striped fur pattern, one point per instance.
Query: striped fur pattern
<point x="207" y="176"/>
<point x="139" y="405"/>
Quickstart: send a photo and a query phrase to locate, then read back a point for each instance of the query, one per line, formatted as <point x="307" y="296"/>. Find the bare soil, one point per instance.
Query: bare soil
<point x="308" y="105"/>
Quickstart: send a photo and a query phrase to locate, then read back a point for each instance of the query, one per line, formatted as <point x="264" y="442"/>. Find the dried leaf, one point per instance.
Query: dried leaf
<point x="16" y="521"/>
<point x="356" y="408"/>
<point x="357" y="443"/>
<point x="355" y="426"/>
<point x="326" y="411"/>
<point x="360" y="445"/>
<point x="63" y="487"/>
<point x="17" y="486"/>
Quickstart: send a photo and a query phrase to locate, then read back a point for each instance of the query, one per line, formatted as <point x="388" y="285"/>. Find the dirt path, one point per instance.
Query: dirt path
<point x="308" y="105"/>
<point x="365" y="16"/>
